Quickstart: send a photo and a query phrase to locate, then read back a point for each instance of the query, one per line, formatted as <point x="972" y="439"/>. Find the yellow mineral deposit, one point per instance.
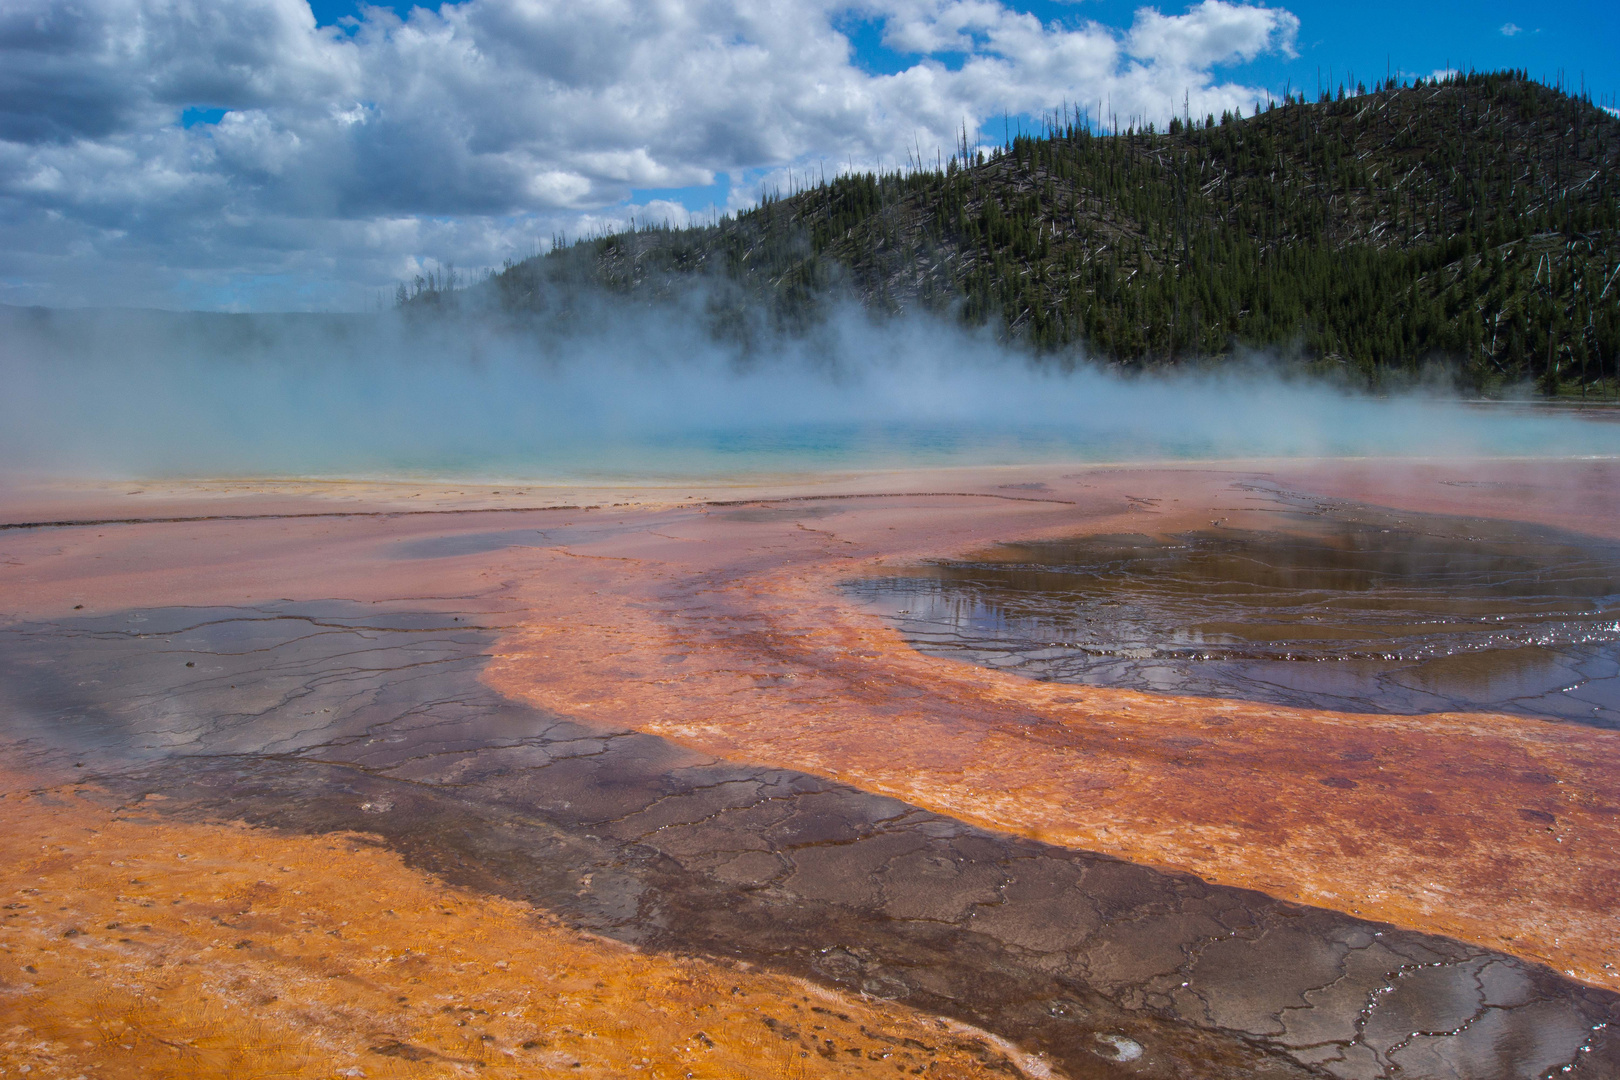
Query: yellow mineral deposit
<point x="133" y="948"/>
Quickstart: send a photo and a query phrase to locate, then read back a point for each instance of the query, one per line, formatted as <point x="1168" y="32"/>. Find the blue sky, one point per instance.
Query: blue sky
<point x="1412" y="37"/>
<point x="237" y="154"/>
<point x="1577" y="37"/>
<point x="1337" y="43"/>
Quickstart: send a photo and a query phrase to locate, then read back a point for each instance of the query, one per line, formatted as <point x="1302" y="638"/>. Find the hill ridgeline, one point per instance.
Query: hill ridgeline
<point x="1472" y="222"/>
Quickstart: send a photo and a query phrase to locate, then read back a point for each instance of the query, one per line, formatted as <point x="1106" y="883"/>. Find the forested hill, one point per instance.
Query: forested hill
<point x="1474" y="221"/>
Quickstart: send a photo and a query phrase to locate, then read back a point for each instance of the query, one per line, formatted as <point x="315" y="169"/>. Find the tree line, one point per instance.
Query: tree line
<point x="1470" y="221"/>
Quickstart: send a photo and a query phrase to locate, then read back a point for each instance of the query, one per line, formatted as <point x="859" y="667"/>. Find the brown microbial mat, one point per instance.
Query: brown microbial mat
<point x="1362" y="610"/>
<point x="373" y="729"/>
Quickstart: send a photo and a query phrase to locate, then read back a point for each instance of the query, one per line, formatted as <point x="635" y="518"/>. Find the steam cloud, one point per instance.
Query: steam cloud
<point x="647" y="391"/>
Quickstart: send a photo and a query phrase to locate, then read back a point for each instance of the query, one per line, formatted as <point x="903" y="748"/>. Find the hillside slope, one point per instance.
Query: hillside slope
<point x="1474" y="221"/>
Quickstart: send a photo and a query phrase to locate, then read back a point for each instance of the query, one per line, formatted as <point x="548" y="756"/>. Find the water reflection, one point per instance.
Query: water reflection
<point x="1358" y="612"/>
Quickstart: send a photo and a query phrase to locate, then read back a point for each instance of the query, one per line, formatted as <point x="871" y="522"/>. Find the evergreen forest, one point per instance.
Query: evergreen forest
<point x="1471" y="222"/>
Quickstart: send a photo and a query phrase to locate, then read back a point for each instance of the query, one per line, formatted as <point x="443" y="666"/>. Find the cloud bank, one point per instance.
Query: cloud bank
<point x="231" y="153"/>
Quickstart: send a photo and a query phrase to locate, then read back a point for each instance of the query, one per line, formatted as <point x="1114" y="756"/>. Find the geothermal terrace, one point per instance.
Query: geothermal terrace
<point x="841" y="775"/>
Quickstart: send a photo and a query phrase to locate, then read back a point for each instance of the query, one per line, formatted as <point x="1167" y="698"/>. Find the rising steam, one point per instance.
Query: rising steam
<point x="648" y="391"/>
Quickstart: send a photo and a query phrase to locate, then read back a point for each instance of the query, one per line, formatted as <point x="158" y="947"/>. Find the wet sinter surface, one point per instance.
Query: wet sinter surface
<point x="327" y="717"/>
<point x="1363" y="610"/>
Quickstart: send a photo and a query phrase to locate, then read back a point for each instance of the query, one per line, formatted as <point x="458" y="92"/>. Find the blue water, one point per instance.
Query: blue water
<point x="1385" y="430"/>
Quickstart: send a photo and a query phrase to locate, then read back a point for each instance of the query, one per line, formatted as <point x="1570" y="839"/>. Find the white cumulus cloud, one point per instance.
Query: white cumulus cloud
<point x="1211" y="33"/>
<point x="322" y="163"/>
